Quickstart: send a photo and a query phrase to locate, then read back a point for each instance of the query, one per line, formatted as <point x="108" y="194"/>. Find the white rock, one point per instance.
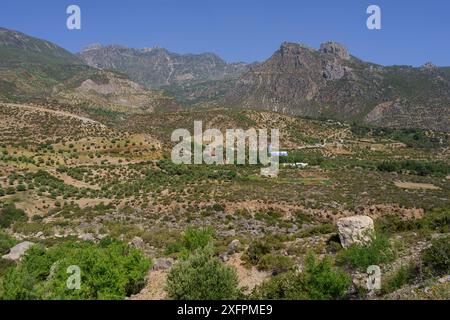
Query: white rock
<point x="87" y="237"/>
<point x="138" y="242"/>
<point x="16" y="252"/>
<point x="163" y="264"/>
<point x="234" y="246"/>
<point x="355" y="230"/>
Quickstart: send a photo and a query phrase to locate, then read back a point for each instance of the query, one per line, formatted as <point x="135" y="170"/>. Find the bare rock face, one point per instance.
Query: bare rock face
<point x="335" y="48"/>
<point x="355" y="230"/>
<point x="18" y="251"/>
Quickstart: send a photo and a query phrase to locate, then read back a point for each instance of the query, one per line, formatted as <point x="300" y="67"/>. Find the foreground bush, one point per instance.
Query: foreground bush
<point x="109" y="270"/>
<point x="404" y="275"/>
<point x="436" y="259"/>
<point x="201" y="276"/>
<point x="320" y="280"/>
<point x="362" y="256"/>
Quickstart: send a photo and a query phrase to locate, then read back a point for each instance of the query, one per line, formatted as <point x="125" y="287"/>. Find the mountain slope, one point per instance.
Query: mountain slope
<point x="17" y="48"/>
<point x="331" y="83"/>
<point x="156" y="67"/>
<point x="34" y="69"/>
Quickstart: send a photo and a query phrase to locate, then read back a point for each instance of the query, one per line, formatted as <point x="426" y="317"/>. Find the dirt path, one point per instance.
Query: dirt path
<point x="416" y="186"/>
<point x="56" y="112"/>
<point x="154" y="289"/>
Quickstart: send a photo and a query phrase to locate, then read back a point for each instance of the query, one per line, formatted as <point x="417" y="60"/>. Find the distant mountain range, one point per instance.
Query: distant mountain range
<point x="157" y="67"/>
<point x="298" y="80"/>
<point x="36" y="70"/>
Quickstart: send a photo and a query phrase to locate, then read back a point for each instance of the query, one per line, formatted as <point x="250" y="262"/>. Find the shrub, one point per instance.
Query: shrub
<point x="10" y="214"/>
<point x="6" y="242"/>
<point x="436" y="259"/>
<point x="378" y="251"/>
<point x="320" y="280"/>
<point x="109" y="270"/>
<point x="401" y="277"/>
<point x="435" y="220"/>
<point x="202" y="277"/>
<point x="197" y="238"/>
<point x="2" y="192"/>
<point x="276" y="264"/>
<point x="256" y="250"/>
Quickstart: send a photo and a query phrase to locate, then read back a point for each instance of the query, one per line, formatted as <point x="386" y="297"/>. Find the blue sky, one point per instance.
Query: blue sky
<point x="413" y="32"/>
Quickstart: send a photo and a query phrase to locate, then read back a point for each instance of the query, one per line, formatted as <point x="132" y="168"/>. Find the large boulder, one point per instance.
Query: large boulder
<point x="355" y="230"/>
<point x="16" y="252"/>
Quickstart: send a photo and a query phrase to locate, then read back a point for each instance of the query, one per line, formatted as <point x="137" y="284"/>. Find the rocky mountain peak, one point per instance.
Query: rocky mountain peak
<point x="294" y="48"/>
<point x="429" y="66"/>
<point x="93" y="46"/>
<point x="336" y="49"/>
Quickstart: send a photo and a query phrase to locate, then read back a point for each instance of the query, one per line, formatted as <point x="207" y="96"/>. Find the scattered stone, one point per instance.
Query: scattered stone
<point x="138" y="242"/>
<point x="87" y="237"/>
<point x="163" y="264"/>
<point x="16" y="252"/>
<point x="444" y="279"/>
<point x="40" y="234"/>
<point x="224" y="257"/>
<point x="356" y="229"/>
<point x="234" y="246"/>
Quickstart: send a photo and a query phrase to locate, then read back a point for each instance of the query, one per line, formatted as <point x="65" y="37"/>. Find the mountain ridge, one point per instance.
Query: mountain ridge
<point x="331" y="83"/>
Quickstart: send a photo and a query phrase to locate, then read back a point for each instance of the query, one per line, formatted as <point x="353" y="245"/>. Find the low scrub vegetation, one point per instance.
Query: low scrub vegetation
<point x="201" y="276"/>
<point x="436" y="258"/>
<point x="378" y="251"/>
<point x="109" y="270"/>
<point x="10" y="214"/>
<point x="319" y="280"/>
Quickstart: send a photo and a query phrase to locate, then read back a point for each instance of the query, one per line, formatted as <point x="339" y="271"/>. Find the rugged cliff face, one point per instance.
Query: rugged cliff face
<point x="329" y="82"/>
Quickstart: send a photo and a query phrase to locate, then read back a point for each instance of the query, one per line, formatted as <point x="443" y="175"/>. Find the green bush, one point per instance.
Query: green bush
<point x="436" y="259"/>
<point x="10" y="214"/>
<point x="437" y="219"/>
<point x="256" y="250"/>
<point x="6" y="242"/>
<point x="401" y="277"/>
<point x="421" y="168"/>
<point x="275" y="263"/>
<point x="320" y="280"/>
<point x="109" y="270"/>
<point x="202" y="277"/>
<point x="197" y="238"/>
<point x="378" y="251"/>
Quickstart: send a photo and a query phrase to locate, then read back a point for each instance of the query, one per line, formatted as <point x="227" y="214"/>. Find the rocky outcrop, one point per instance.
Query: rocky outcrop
<point x="336" y="49"/>
<point x="355" y="230"/>
<point x="330" y="82"/>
